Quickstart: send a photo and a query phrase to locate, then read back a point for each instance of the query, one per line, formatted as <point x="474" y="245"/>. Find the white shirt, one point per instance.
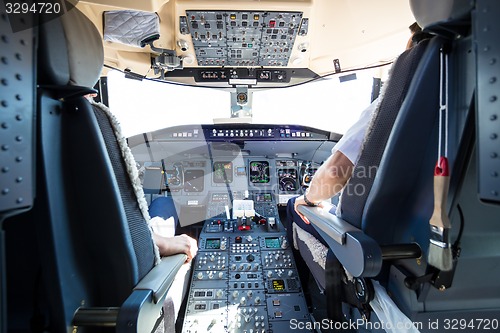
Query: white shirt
<point x="351" y="141"/>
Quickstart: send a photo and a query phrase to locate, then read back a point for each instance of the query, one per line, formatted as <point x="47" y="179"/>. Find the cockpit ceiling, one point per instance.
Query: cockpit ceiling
<point x="274" y="34"/>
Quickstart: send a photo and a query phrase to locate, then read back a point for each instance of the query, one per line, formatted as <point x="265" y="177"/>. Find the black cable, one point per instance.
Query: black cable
<point x="319" y="77"/>
<point x="456" y="245"/>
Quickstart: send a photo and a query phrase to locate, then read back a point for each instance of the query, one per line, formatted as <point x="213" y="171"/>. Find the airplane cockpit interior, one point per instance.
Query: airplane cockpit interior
<point x="188" y="166"/>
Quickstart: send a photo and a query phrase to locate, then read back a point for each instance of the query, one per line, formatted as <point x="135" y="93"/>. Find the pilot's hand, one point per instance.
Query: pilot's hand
<point x="177" y="244"/>
<point x="300" y="201"/>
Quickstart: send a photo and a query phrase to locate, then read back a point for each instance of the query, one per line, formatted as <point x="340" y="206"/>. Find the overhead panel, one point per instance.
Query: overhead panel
<point x="243" y="38"/>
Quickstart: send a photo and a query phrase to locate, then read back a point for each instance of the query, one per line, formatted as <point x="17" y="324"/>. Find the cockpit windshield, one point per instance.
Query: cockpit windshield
<point x="331" y="104"/>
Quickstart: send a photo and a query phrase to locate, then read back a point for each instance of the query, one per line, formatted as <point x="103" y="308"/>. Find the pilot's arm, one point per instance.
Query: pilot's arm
<point x="328" y="180"/>
<point x="332" y="175"/>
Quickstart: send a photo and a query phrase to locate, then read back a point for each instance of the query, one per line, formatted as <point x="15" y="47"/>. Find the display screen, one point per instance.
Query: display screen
<point x="173" y="178"/>
<point x="259" y="172"/>
<point x="273" y="243"/>
<point x="287" y="180"/>
<point x="263" y="197"/>
<point x="241" y="171"/>
<point x="223" y="172"/>
<point x="193" y="180"/>
<point x="212" y="244"/>
<point x="279" y="285"/>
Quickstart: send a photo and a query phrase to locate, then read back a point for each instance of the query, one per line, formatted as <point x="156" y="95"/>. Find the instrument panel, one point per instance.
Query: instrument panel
<point x="200" y="165"/>
<point x="196" y="176"/>
<point x="244" y="277"/>
<point x="228" y="132"/>
<point x="202" y="189"/>
<point x="191" y="177"/>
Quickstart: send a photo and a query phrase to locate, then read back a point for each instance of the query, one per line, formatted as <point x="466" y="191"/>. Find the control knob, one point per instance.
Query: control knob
<point x="284" y="244"/>
<point x="199" y="276"/>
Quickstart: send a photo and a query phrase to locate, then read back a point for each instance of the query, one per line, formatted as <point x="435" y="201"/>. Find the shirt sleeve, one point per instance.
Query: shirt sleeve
<point x="351" y="141"/>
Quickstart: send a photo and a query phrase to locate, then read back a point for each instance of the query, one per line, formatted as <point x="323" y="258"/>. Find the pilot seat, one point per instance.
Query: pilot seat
<point x="100" y="267"/>
<point x="382" y="234"/>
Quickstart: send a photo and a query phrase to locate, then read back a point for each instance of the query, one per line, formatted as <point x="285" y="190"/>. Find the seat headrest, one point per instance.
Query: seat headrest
<point x="70" y="51"/>
<point x="429" y="13"/>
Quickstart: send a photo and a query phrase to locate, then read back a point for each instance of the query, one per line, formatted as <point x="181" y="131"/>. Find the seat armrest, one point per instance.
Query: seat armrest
<point x="142" y="309"/>
<point x="333" y="226"/>
<point x="357" y="252"/>
<point x="160" y="278"/>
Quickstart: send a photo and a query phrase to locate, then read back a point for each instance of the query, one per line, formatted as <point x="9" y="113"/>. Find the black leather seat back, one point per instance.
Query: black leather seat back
<point x="136" y="224"/>
<point x="412" y="93"/>
<point x="404" y="182"/>
<point x="95" y="243"/>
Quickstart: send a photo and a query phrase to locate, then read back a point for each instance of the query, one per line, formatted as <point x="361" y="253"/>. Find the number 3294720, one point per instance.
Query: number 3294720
<point x="35" y="8"/>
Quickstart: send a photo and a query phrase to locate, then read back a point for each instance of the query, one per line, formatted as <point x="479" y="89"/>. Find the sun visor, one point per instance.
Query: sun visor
<point x="130" y="27"/>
